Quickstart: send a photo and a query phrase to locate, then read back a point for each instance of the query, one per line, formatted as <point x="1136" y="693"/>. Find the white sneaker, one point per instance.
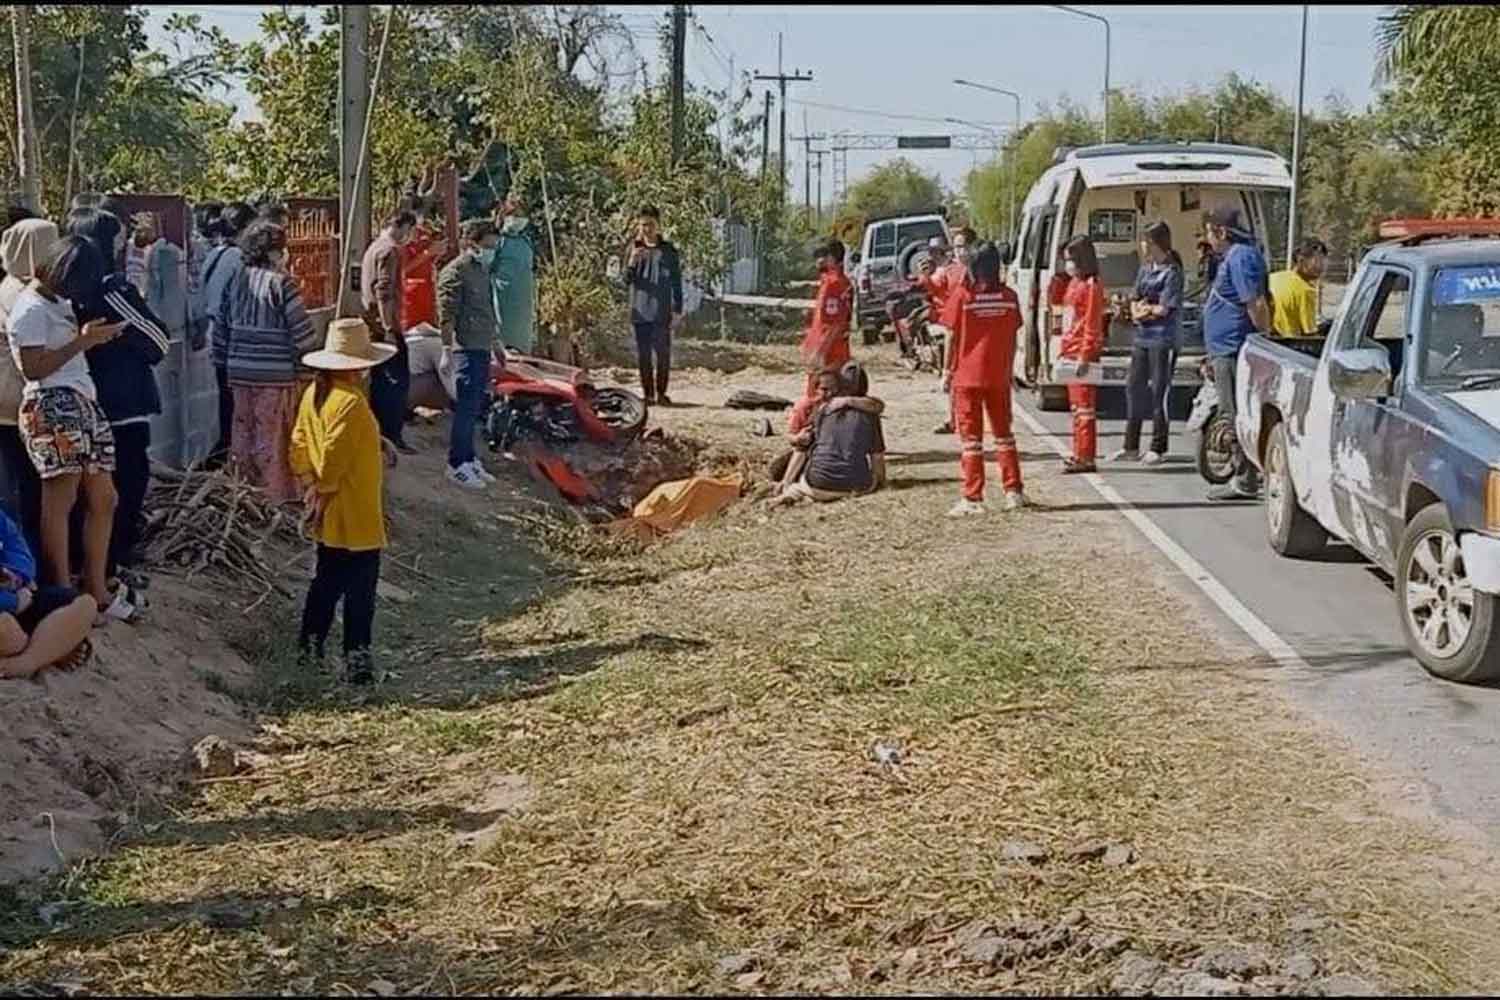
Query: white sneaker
<point x="966" y="507"/>
<point x="1153" y="458"/>
<point x="466" y="477"/>
<point x="1125" y="455"/>
<point x="482" y="472"/>
<point x="1015" y="500"/>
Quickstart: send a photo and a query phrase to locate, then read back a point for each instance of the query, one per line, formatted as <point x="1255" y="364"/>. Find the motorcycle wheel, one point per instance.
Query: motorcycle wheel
<point x="622" y="410"/>
<point x="1215" y="452"/>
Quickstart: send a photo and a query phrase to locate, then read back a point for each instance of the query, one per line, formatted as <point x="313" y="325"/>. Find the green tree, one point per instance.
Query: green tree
<point x="897" y="186"/>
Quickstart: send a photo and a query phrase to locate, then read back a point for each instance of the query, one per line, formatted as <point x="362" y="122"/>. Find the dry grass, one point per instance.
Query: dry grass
<point x="664" y="758"/>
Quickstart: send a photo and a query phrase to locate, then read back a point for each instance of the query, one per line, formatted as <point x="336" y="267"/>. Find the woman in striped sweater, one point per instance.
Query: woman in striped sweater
<point x="268" y="332"/>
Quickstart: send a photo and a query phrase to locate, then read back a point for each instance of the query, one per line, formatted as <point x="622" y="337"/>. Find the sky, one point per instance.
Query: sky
<point x="900" y="60"/>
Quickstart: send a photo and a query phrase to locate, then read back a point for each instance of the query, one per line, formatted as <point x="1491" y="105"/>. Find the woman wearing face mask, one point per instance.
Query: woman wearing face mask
<point x="1082" y="343"/>
<point x="269" y="331"/>
<point x="122" y="372"/>
<point x="513" y="274"/>
<point x="1153" y="358"/>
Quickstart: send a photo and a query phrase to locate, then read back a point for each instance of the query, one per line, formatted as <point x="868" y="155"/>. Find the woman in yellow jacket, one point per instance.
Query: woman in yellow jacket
<point x="338" y="453"/>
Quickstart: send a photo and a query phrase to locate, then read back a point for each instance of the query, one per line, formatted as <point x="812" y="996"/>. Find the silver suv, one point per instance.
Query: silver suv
<point x="885" y="261"/>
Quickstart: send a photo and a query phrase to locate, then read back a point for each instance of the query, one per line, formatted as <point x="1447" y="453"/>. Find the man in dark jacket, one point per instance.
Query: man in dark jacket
<point x="466" y="312"/>
<point x="123" y="376"/>
<point x="654" y="275"/>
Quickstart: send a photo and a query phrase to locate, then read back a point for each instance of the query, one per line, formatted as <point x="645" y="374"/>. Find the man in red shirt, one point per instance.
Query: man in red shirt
<point x="420" y="256"/>
<point x="985" y="317"/>
<point x="940" y="284"/>
<point x="826" y="345"/>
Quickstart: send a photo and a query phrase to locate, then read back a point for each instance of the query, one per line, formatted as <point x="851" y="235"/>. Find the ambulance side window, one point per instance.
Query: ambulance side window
<point x="1044" y="233"/>
<point x="1025" y="240"/>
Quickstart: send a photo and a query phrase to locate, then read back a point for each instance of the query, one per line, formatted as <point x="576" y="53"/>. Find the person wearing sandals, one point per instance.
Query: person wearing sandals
<point x="1153" y="357"/>
<point x="39" y="626"/>
<point x="339" y="454"/>
<point x="67" y="435"/>
<point x="124" y="381"/>
<point x="1082" y="343"/>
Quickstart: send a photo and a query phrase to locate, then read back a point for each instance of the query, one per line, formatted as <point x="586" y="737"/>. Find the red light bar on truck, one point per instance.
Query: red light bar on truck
<point x="1410" y="231"/>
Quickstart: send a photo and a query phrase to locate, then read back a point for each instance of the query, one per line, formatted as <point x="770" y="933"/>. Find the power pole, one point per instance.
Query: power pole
<point x="783" y="78"/>
<point x="679" y="56"/>
<point x="1291" y="224"/>
<point x="31" y="184"/>
<point x="765" y="141"/>
<point x="354" y="157"/>
<point x="819" y="214"/>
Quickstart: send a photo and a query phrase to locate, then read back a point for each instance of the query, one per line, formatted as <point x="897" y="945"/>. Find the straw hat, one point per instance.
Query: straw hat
<point x="348" y="348"/>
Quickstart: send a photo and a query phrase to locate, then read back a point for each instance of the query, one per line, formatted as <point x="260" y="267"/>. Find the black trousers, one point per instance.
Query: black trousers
<point x="390" y="385"/>
<point x="22" y="473"/>
<point x="132" y="478"/>
<point x="1147" y="392"/>
<point x="351" y="577"/>
<point x="653" y="343"/>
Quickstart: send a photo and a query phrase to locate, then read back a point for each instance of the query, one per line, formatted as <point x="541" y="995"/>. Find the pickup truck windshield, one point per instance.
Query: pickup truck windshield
<point x="1463" y="327"/>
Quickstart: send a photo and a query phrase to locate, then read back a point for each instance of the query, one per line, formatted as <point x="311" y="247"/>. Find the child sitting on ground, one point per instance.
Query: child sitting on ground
<point x="39" y="626"/>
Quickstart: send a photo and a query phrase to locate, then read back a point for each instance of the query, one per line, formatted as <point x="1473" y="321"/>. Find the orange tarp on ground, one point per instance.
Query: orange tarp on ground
<point x="672" y="505"/>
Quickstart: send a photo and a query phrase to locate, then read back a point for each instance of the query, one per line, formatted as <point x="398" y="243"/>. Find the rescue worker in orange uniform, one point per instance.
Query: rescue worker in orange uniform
<point x="826" y="345"/>
<point x="985" y="317"/>
<point x="941" y="283"/>
<point x="419" y="257"/>
<point x="1083" y="342"/>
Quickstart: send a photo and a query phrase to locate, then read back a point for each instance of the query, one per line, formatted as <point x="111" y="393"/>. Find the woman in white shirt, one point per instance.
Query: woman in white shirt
<point x="66" y="433"/>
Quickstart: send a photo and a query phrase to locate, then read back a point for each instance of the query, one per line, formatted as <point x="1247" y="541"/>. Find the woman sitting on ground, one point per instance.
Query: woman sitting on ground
<point x="843" y="453"/>
<point x="39" y="626"/>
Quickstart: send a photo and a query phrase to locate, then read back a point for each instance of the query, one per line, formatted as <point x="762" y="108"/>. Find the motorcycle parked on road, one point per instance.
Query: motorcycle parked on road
<point x="920" y="340"/>
<point x="1215" y="432"/>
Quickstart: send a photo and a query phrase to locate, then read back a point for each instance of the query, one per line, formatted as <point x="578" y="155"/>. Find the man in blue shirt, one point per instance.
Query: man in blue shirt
<point x="1237" y="306"/>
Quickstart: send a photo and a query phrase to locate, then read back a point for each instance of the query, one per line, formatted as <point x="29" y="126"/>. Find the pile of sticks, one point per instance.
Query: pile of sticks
<point x="209" y="522"/>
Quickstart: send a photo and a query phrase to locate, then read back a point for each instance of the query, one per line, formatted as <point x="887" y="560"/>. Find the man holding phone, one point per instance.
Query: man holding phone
<point x="653" y="273"/>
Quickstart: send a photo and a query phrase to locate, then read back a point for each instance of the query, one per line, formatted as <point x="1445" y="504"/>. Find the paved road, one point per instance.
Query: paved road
<point x="1340" y="615"/>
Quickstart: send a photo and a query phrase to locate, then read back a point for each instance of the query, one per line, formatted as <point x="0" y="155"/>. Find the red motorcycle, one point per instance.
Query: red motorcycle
<point x="557" y="404"/>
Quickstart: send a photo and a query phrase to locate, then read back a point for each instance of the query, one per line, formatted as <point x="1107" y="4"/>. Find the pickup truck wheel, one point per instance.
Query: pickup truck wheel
<point x="1449" y="625"/>
<point x="1052" y="399"/>
<point x="1292" y="531"/>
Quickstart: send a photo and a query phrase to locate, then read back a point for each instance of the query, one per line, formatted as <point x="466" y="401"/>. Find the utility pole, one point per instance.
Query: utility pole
<point x="783" y="78"/>
<point x="354" y="156"/>
<point x="819" y="154"/>
<point x="679" y="56"/>
<point x="31" y="184"/>
<point x="806" y="165"/>
<point x="765" y="142"/>
<point x="1218" y="123"/>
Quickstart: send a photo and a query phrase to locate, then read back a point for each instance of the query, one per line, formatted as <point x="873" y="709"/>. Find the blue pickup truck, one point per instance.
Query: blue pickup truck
<point x="1386" y="436"/>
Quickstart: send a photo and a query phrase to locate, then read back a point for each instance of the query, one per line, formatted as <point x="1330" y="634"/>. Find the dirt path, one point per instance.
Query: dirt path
<point x="854" y="748"/>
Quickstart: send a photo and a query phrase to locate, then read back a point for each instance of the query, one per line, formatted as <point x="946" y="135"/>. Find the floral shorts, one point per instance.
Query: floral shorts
<point x="66" y="432"/>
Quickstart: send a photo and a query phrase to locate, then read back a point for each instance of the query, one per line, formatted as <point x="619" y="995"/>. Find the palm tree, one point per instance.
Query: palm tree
<point x="1411" y="34"/>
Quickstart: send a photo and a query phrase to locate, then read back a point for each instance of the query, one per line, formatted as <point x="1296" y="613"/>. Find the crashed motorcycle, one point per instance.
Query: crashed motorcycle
<point x="557" y="405"/>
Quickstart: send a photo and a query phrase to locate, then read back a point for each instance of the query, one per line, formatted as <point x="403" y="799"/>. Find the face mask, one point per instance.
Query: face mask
<point x="486" y="256"/>
<point x="1071" y="268"/>
<point x="516" y="223"/>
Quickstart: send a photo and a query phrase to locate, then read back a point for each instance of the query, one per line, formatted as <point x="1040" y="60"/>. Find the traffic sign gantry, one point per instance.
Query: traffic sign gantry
<point x="924" y="142"/>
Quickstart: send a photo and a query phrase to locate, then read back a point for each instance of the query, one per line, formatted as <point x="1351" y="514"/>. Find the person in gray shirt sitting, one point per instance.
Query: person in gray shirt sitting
<point x="843" y="453"/>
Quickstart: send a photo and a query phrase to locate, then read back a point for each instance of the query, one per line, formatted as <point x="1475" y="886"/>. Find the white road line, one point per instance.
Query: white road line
<point x="1261" y="634"/>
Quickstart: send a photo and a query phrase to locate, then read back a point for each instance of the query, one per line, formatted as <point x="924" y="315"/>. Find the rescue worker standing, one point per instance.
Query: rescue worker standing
<point x="985" y="316"/>
<point x="941" y="283"/>
<point x="1083" y="342"/>
<point x="826" y="344"/>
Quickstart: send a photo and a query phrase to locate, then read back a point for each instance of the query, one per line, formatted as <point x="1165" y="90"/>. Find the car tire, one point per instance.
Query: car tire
<point x="1292" y="531"/>
<point x="1052" y="398"/>
<point x="1470" y="657"/>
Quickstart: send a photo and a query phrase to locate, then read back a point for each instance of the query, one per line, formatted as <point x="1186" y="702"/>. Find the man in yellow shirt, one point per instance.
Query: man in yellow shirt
<point x="1294" y="292"/>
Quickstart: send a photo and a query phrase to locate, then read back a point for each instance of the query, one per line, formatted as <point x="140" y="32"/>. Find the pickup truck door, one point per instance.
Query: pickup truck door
<point x="1365" y="433"/>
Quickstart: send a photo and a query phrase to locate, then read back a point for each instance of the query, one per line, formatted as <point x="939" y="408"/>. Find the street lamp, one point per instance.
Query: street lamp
<point x="1291" y="223"/>
<point x="1011" y="215"/>
<point x="1103" y="21"/>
